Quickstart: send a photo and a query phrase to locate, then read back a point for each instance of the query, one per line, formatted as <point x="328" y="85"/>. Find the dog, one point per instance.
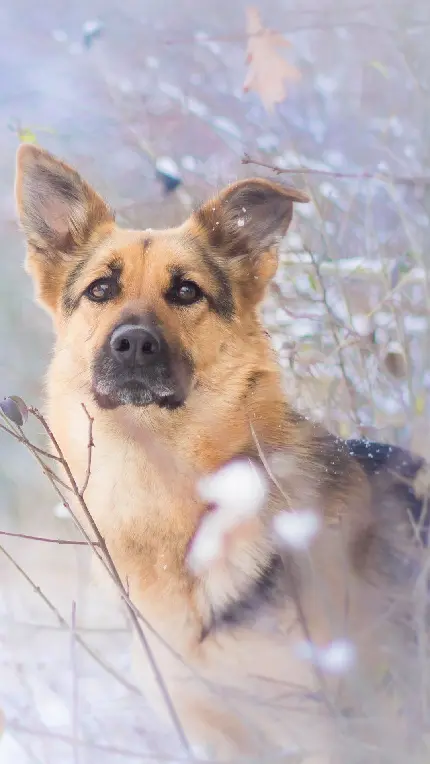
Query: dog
<point x="158" y="333"/>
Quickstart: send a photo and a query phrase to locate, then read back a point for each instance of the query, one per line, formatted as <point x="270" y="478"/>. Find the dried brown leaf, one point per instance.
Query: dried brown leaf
<point x="395" y="361"/>
<point x="268" y="71"/>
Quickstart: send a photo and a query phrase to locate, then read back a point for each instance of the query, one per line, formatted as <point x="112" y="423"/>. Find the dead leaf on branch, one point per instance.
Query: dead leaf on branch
<point x="268" y="71"/>
<point x="395" y="363"/>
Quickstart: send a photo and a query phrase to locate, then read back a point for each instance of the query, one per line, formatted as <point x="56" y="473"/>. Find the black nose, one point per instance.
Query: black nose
<point x="134" y="345"/>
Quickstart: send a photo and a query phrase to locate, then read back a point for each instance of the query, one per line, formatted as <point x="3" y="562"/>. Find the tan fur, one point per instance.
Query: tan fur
<point x="237" y="690"/>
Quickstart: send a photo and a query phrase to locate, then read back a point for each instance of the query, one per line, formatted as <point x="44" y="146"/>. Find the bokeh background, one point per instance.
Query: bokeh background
<point x="119" y="89"/>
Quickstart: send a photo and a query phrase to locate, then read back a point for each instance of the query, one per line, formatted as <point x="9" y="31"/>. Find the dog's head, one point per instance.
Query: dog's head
<point x="145" y="311"/>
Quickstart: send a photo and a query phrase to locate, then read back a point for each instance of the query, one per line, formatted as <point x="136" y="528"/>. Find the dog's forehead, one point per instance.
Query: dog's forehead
<point x="161" y="249"/>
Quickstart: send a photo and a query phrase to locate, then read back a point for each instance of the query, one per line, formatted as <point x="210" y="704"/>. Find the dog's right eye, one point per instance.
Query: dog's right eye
<point x="102" y="290"/>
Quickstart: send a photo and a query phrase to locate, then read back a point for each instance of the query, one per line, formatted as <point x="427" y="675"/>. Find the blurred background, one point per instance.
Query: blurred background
<point x="157" y="103"/>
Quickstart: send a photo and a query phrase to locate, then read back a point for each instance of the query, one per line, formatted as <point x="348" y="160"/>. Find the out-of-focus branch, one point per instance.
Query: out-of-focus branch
<point x="75" y="687"/>
<point x="66" y="542"/>
<point x="410" y="180"/>
<point x="90" y="449"/>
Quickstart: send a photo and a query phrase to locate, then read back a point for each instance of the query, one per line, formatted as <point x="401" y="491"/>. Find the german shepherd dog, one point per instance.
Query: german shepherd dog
<point x="158" y="334"/>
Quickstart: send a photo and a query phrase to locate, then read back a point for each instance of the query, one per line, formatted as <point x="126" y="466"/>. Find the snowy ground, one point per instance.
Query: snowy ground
<point x="49" y="685"/>
<point x="168" y="77"/>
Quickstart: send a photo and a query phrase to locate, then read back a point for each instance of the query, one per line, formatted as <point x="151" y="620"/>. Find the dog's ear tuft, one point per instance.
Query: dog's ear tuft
<point x="57" y="209"/>
<point x="248" y="217"/>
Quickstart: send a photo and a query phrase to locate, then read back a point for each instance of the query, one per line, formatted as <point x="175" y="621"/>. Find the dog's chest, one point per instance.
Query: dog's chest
<point x="124" y="488"/>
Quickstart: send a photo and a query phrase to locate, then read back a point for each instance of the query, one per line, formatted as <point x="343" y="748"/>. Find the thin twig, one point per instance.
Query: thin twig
<point x="36" y="413"/>
<point x="18" y="433"/>
<point x="335" y="324"/>
<point x="17" y="727"/>
<point x="90" y="449"/>
<point x="82" y="629"/>
<point x="53" y="480"/>
<point x="75" y="686"/>
<point x="63" y="623"/>
<point x="23" y="439"/>
<point x="50" y="473"/>
<point x="410" y="180"/>
<point x="45" y="539"/>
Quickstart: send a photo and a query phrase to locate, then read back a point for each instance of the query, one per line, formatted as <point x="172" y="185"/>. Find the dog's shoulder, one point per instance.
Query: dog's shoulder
<point x="400" y="481"/>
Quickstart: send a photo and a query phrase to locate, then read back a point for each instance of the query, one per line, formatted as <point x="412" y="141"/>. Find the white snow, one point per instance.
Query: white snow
<point x="297" y="529"/>
<point x="335" y="658"/>
<point x="236" y="492"/>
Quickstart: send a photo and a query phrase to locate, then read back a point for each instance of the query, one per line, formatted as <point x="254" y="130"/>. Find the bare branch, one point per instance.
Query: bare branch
<point x="81" y="629"/>
<point x="23" y="439"/>
<point x="90" y="449"/>
<point x="335" y="324"/>
<point x="410" y="180"/>
<point x="106" y="749"/>
<point x="46" y="540"/>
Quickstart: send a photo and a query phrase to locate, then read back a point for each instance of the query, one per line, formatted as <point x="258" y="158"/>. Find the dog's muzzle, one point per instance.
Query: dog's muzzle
<point x="136" y="366"/>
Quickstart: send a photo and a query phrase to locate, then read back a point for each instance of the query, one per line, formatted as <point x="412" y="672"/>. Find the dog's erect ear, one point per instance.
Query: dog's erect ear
<point x="59" y="213"/>
<point x="248" y="217"/>
<point x="57" y="209"/>
<point x="243" y="225"/>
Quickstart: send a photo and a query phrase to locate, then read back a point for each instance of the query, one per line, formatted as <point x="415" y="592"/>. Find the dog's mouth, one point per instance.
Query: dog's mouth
<point x="110" y="394"/>
<point x="162" y="386"/>
<point x="134" y="393"/>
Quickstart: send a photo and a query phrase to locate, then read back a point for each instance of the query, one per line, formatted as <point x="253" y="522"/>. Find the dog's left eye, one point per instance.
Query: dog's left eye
<point x="102" y="290"/>
<point x="184" y="293"/>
